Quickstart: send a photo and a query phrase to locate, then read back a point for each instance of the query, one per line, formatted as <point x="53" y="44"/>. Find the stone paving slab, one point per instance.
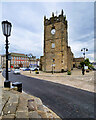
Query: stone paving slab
<point x="8" y="116"/>
<point x="22" y="106"/>
<point x="34" y="114"/>
<point x="10" y="108"/>
<point x="18" y="105"/>
<point x="32" y="106"/>
<point x="22" y="114"/>
<point x="42" y="114"/>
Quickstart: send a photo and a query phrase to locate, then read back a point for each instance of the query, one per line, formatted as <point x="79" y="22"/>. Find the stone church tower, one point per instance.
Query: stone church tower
<point x="57" y="54"/>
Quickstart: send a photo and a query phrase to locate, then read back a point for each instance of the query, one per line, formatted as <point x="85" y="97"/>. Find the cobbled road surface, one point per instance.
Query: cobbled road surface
<point x="65" y="101"/>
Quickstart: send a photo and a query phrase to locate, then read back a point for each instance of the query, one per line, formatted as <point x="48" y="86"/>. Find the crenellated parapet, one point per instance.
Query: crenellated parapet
<point x="55" y="19"/>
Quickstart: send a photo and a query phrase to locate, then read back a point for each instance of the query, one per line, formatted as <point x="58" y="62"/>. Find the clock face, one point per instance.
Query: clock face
<point x="53" y="31"/>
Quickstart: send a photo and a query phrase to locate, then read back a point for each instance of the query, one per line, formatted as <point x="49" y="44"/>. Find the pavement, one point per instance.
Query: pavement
<point x="16" y="105"/>
<point x="76" y="79"/>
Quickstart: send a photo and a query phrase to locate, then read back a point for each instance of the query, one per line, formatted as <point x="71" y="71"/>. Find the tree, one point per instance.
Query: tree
<point x="86" y="62"/>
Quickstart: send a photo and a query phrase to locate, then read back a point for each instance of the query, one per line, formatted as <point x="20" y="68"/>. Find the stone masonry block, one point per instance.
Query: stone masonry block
<point x="34" y="114"/>
<point x="13" y="98"/>
<point x="22" y="106"/>
<point x="10" y="108"/>
<point x="22" y="114"/>
<point x="42" y="114"/>
<point x="32" y="106"/>
<point x="38" y="101"/>
<point x="40" y="107"/>
<point x="8" y="116"/>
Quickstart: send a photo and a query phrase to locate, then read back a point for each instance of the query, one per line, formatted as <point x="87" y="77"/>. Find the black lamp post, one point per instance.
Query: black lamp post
<point x="6" y="28"/>
<point x="84" y="49"/>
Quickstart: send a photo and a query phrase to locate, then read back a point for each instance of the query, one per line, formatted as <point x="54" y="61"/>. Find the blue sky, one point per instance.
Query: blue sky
<point x="28" y="28"/>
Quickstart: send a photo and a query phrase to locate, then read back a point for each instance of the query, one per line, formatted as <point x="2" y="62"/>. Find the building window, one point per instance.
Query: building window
<point x="11" y="61"/>
<point x="53" y="45"/>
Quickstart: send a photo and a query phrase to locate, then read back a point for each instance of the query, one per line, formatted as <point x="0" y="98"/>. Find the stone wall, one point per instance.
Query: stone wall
<point x="76" y="61"/>
<point x="70" y="58"/>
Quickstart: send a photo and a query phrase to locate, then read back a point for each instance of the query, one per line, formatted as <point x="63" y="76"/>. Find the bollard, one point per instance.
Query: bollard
<point x="18" y="85"/>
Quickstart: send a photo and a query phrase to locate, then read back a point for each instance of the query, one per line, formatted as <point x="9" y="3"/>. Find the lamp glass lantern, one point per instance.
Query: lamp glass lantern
<point x="6" y="28"/>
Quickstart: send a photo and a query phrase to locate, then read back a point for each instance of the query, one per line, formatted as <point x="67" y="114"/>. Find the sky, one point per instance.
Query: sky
<point x="27" y="18"/>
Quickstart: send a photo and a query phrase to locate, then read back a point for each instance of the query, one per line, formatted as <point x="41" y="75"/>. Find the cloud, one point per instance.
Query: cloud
<point x="26" y="41"/>
<point x="28" y="28"/>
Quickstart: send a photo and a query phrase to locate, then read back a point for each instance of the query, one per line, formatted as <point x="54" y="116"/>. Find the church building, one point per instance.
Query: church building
<point x="58" y="56"/>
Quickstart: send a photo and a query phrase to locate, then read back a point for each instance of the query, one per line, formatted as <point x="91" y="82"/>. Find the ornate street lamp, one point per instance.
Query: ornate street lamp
<point x="84" y="49"/>
<point x="6" y="28"/>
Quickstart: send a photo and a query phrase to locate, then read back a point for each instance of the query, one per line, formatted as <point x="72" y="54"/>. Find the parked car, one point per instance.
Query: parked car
<point x="16" y="71"/>
<point x="94" y="69"/>
<point x="22" y="68"/>
<point x="35" y="68"/>
<point x="26" y="69"/>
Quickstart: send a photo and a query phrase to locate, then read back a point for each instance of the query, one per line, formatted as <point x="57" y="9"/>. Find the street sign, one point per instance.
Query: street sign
<point x="85" y="67"/>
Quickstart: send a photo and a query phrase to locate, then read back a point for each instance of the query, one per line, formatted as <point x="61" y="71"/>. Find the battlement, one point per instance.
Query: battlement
<point x="55" y="19"/>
